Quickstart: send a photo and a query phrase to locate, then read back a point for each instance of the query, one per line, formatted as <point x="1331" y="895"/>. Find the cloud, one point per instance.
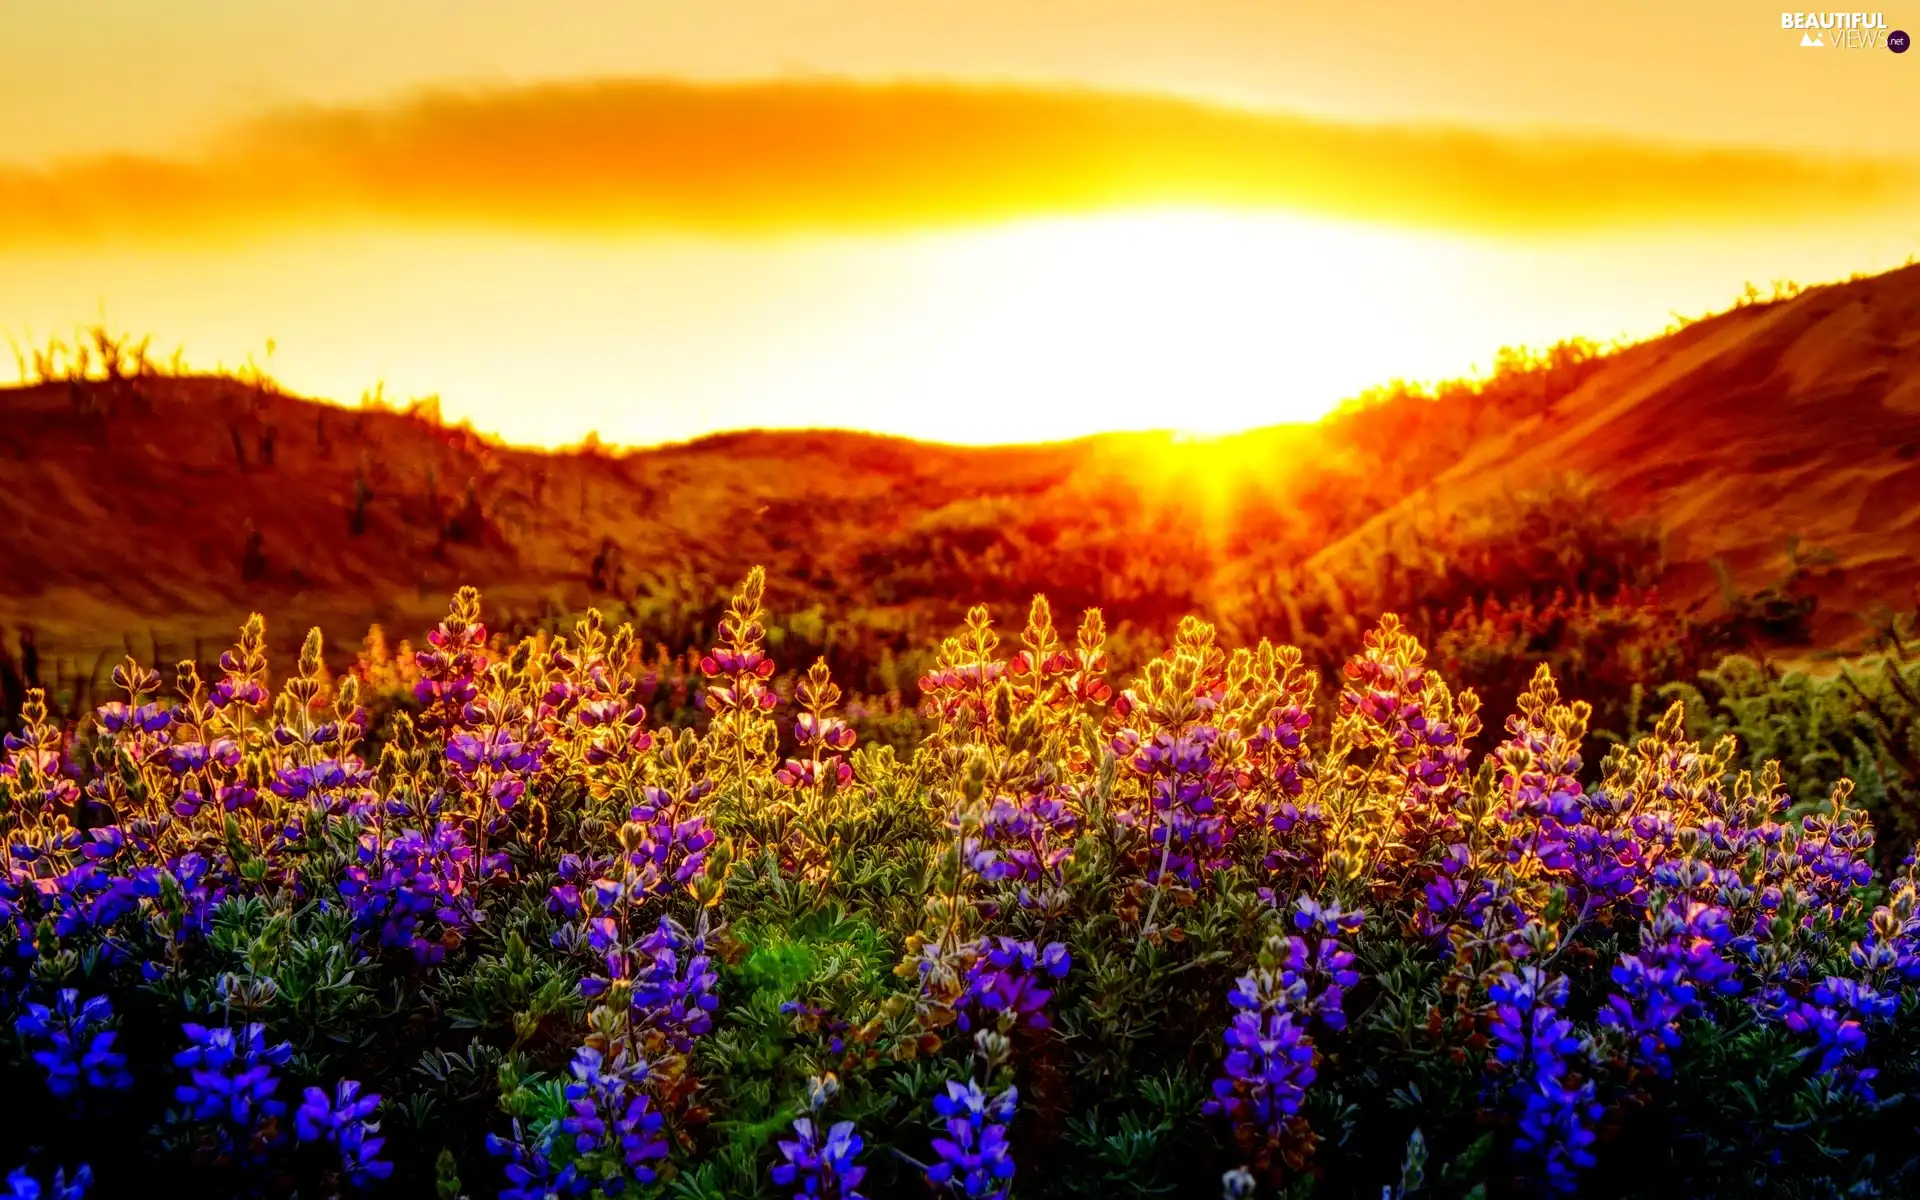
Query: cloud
<point x="638" y="156"/>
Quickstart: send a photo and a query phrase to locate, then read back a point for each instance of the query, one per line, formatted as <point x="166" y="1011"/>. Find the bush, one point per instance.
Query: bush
<point x="1853" y="718"/>
<point x="468" y="917"/>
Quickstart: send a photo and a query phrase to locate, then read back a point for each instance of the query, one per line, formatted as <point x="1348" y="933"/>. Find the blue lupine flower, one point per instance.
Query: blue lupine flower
<point x="1536" y="1045"/>
<point x="975" y="1159"/>
<point x="1006" y="982"/>
<point x="342" y="1122"/>
<point x="1269" y="1066"/>
<point x="1320" y="961"/>
<point x="530" y="1171"/>
<point x="1271" y="1060"/>
<point x="416" y="889"/>
<point x="1835" y="1013"/>
<point x="22" y="1186"/>
<point x="231" y="1084"/>
<point x="1891" y="948"/>
<point x="612" y="1112"/>
<point x="823" y="1167"/>
<point x="79" y="1051"/>
<point x="1679" y="964"/>
<point x="673" y="993"/>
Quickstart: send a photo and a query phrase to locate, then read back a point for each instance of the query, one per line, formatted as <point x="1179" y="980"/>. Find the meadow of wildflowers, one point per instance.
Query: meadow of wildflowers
<point x="470" y="920"/>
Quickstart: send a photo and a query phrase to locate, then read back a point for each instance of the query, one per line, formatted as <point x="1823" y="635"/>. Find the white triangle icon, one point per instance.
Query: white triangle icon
<point x="1811" y="39"/>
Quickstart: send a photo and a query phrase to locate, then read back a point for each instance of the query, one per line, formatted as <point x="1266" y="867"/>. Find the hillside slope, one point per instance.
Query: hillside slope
<point x="159" y="510"/>
<point x="181" y="503"/>
<point x="1788" y="424"/>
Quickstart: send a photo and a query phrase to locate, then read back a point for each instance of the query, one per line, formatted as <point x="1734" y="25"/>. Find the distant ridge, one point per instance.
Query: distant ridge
<point x="162" y="509"/>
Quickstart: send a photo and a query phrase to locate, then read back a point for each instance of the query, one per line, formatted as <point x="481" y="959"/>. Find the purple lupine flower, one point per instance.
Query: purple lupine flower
<point x="494" y="756"/>
<point x="331" y="784"/>
<point x="675" y="994"/>
<point x="803" y="773"/>
<point x="1270" y="1059"/>
<point x="1680" y="962"/>
<point x="739" y="694"/>
<point x="498" y="748"/>
<point x="958" y="688"/>
<point x="1187" y="832"/>
<point x="1607" y="859"/>
<point x="1269" y="1066"/>
<point x="819" y="736"/>
<point x="1297" y="830"/>
<point x="611" y="1112"/>
<point x="1891" y="948"/>
<point x="231" y="1085"/>
<point x="243" y="671"/>
<point x="227" y="797"/>
<point x="231" y="690"/>
<point x="666" y="847"/>
<point x="530" y="1171"/>
<point x="670" y="976"/>
<point x="1320" y="961"/>
<point x="186" y="757"/>
<point x="674" y="838"/>
<point x="34" y="760"/>
<point x="1462" y="895"/>
<point x="566" y="899"/>
<point x="613" y="725"/>
<point x="451" y="665"/>
<point x="1455" y="894"/>
<point x="1536" y="1046"/>
<point x="1393" y="705"/>
<point x="342" y="1122"/>
<point x="975" y="1160"/>
<point x="821" y="1166"/>
<point x="1005" y="985"/>
<point x="23" y="1186"/>
<point x="1278" y="743"/>
<point x="831" y="732"/>
<point x="1835" y="1014"/>
<point x="1836" y="849"/>
<point x="118" y="717"/>
<point x="180" y="895"/>
<point x="416" y="889"/>
<point x="1030" y="836"/>
<point x="87" y="896"/>
<point x="79" y="1052"/>
<point x="1541" y="798"/>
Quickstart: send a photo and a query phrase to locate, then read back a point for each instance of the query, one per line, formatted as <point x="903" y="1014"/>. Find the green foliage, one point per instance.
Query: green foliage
<point x="1853" y="718"/>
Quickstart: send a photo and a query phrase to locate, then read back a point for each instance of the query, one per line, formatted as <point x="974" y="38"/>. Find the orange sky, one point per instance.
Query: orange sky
<point x="985" y="220"/>
<point x="796" y="157"/>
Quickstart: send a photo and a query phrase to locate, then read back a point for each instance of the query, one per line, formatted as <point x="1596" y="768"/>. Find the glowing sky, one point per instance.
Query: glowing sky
<point x="978" y="221"/>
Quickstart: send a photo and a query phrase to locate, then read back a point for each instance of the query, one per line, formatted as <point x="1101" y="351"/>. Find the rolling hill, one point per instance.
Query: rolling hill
<point x="1788" y="424"/>
<point x="156" y="511"/>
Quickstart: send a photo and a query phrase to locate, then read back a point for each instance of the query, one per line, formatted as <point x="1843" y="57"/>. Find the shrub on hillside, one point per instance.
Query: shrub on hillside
<point x="1853" y="718"/>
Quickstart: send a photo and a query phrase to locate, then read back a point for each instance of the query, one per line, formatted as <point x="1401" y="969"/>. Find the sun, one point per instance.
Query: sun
<point x="1199" y="321"/>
